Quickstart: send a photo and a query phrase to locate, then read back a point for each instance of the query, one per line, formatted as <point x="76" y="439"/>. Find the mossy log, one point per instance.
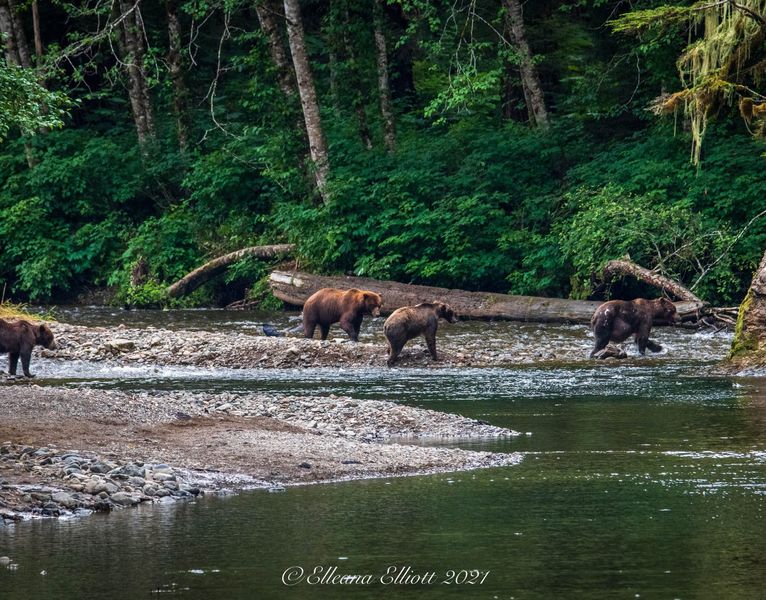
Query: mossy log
<point x="749" y="345"/>
<point x="295" y="287"/>
<point x="190" y="282"/>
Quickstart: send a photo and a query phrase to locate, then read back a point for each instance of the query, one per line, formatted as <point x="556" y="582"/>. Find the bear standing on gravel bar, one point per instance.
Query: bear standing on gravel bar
<point x="616" y="320"/>
<point x="18" y="338"/>
<point x="328" y="306"/>
<point x="409" y="322"/>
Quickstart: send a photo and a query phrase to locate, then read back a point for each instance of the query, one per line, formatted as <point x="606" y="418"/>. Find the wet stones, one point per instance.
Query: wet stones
<point x="81" y="484"/>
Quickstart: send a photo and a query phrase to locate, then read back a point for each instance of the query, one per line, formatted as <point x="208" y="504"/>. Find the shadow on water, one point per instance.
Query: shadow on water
<point x="644" y="479"/>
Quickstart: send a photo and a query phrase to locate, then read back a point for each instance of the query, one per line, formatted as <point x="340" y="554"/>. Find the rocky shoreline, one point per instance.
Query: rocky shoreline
<point x="75" y="451"/>
<point x="240" y="350"/>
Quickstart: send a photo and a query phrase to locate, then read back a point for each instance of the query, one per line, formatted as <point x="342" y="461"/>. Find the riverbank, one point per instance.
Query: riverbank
<point x="67" y="451"/>
<point x="246" y="349"/>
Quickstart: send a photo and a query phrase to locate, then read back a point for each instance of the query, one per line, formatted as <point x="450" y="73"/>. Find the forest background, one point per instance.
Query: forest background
<point x="479" y="144"/>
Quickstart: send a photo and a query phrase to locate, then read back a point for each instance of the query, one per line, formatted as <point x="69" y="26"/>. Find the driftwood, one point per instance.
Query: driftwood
<point x="619" y="268"/>
<point x="295" y="288"/>
<point x="200" y="275"/>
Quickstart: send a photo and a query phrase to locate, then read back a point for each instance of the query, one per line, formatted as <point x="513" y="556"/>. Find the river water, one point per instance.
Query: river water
<point x="640" y="479"/>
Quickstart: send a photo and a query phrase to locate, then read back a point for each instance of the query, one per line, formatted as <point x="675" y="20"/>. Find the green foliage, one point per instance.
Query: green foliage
<point x="668" y="237"/>
<point x="473" y="197"/>
<point x="26" y="104"/>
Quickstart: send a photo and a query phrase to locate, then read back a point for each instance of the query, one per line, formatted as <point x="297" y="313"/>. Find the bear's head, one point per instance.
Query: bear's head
<point x="444" y="311"/>
<point x="44" y="337"/>
<point x="665" y="310"/>
<point x="372" y="303"/>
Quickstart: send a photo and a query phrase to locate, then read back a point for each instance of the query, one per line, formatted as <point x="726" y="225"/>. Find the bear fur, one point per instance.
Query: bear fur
<point x="17" y="338"/>
<point x="410" y="322"/>
<point x="617" y="320"/>
<point x="330" y="305"/>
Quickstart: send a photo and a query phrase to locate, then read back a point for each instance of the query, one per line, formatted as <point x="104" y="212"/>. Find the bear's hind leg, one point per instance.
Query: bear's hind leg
<point x="308" y="329"/>
<point x="13" y="362"/>
<point x="25" y="358"/>
<point x="431" y="343"/>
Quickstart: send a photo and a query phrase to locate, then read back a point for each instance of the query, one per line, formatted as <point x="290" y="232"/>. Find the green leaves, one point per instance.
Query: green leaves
<point x="26" y="104"/>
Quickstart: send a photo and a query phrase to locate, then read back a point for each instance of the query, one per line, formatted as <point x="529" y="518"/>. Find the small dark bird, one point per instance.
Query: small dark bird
<point x="271" y="331"/>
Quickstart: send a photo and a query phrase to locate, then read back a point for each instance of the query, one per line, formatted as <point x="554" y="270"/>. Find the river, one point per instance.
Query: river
<point x="640" y="479"/>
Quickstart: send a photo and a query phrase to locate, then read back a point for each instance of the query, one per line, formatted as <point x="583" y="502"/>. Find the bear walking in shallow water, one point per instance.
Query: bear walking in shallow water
<point x="410" y="322"/>
<point x="17" y="338"/>
<point x="617" y="320"/>
<point x="329" y="305"/>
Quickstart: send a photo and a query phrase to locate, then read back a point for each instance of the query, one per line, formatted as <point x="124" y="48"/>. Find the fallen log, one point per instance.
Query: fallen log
<point x="622" y="267"/>
<point x="295" y="287"/>
<point x="191" y="281"/>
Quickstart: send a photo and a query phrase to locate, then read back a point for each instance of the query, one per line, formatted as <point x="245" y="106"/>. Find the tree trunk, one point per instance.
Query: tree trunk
<point x="267" y="11"/>
<point x="530" y="81"/>
<point x="6" y="27"/>
<point x="133" y="57"/>
<point x="354" y="78"/>
<point x="307" y="92"/>
<point x="749" y="345"/>
<point x="22" y="46"/>
<point x="36" y="29"/>
<point x="332" y="64"/>
<point x="384" y="89"/>
<point x="180" y="91"/>
<point x="619" y="268"/>
<point x="403" y="79"/>
<point x="295" y="288"/>
<point x="16" y="54"/>
<point x="197" y="277"/>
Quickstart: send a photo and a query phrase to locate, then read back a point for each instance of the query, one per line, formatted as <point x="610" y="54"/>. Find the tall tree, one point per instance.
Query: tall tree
<point x="16" y="54"/>
<point x="307" y="92"/>
<point x="268" y="14"/>
<point x="530" y="80"/>
<point x="175" y="65"/>
<point x="384" y="89"/>
<point x="36" y="30"/>
<point x="133" y="50"/>
<point x="354" y="76"/>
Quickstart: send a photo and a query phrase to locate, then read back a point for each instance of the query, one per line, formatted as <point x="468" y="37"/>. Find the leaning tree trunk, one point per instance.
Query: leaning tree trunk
<point x="619" y="268"/>
<point x="530" y="80"/>
<point x="384" y="89"/>
<point x="295" y="288"/>
<point x="210" y="269"/>
<point x="175" y="65"/>
<point x="307" y="91"/>
<point x="749" y="345"/>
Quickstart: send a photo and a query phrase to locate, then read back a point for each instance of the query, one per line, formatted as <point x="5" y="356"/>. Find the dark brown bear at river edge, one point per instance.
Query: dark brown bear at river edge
<point x="330" y="305"/>
<point x="410" y="322"/>
<point x="18" y="338"/>
<point x="617" y="320"/>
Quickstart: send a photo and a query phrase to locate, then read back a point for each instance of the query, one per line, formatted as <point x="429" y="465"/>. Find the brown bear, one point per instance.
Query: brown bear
<point x="409" y="322"/>
<point x="19" y="337"/>
<point x="616" y="320"/>
<point x="329" y="305"/>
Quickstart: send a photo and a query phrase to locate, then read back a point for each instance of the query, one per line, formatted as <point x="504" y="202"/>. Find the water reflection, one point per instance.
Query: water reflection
<point x="642" y="479"/>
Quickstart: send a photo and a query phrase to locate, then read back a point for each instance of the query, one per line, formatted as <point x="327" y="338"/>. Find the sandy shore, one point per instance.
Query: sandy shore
<point x="66" y="451"/>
